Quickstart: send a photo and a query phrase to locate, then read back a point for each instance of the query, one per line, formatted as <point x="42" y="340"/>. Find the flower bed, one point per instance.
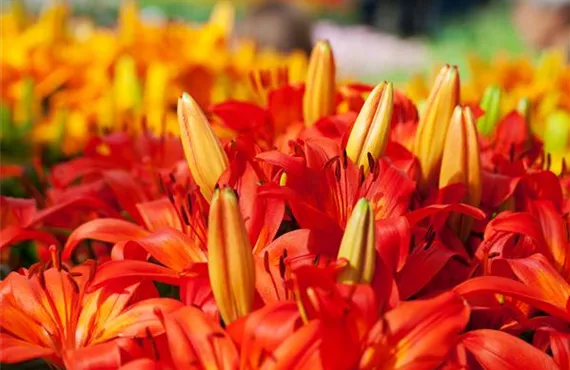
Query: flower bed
<point x="306" y="224"/>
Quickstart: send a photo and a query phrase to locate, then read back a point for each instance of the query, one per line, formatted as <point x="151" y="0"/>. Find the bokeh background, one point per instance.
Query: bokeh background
<point x="373" y="39"/>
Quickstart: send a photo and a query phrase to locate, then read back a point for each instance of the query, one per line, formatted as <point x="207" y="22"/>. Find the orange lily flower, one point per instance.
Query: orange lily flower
<point x="53" y="313"/>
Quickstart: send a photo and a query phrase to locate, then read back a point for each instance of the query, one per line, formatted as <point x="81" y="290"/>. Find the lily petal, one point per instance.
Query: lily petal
<point x="118" y="270"/>
<point x="110" y="230"/>
<point x="420" y="333"/>
<point x="497" y="350"/>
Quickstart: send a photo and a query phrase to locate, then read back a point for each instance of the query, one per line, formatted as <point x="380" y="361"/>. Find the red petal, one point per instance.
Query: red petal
<point x="500" y="285"/>
<point x="17" y="211"/>
<point x="109" y="230"/>
<point x="519" y="223"/>
<point x="419" y="332"/>
<point x="127" y="191"/>
<point x="110" y="355"/>
<point x="159" y="213"/>
<point x="77" y="203"/>
<point x="424" y="263"/>
<point x="143" y="364"/>
<point x="195" y="289"/>
<point x="16" y="350"/>
<point x="393" y="238"/>
<point x="120" y="270"/>
<point x="138" y="318"/>
<point x="535" y="271"/>
<point x="264" y="330"/>
<point x="14" y="234"/>
<point x="554" y="230"/>
<point x="442" y="209"/>
<point x="171" y="247"/>
<point x="240" y="116"/>
<point x="196" y="341"/>
<point x="497" y="350"/>
<point x="560" y="346"/>
<point x="294" y="166"/>
<point x="299" y="351"/>
<point x="10" y="170"/>
<point x="390" y="192"/>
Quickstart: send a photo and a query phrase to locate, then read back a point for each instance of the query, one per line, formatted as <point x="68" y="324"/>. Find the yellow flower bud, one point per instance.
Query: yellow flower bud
<point x="371" y="130"/>
<point x="204" y="153"/>
<point x="358" y="245"/>
<point x="432" y="128"/>
<point x="230" y="259"/>
<point x="461" y="163"/>
<point x="319" y="98"/>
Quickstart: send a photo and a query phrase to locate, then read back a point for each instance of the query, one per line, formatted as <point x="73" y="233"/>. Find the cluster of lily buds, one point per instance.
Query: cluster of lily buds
<point x="433" y="125"/>
<point x="298" y="231"/>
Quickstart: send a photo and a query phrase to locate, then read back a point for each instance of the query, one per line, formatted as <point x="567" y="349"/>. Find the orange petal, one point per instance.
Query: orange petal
<point x="110" y="230"/>
<point x="417" y="332"/>
<point x="494" y="349"/>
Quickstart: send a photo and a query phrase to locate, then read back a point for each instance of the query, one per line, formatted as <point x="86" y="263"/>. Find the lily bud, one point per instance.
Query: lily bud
<point x="230" y="259"/>
<point x="371" y="129"/>
<point x="358" y="245"/>
<point x="204" y="153"/>
<point x="432" y="128"/>
<point x="461" y="163"/>
<point x="319" y="98"/>
<point x="491" y="104"/>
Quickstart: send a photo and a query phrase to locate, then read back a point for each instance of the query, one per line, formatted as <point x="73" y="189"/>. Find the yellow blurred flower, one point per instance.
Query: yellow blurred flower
<point x="104" y="79"/>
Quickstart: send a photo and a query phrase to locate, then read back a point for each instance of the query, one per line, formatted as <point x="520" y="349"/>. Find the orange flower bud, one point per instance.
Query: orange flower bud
<point x="319" y="98"/>
<point x="230" y="258"/>
<point x="371" y="130"/>
<point x="204" y="153"/>
<point x="461" y="163"/>
<point x="432" y="128"/>
<point x="358" y="245"/>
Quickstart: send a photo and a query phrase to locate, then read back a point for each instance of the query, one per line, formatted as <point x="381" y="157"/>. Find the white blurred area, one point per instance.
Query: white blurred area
<point x="364" y="53"/>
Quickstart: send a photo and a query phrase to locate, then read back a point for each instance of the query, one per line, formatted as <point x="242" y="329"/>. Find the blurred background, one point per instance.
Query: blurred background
<point x="372" y="39"/>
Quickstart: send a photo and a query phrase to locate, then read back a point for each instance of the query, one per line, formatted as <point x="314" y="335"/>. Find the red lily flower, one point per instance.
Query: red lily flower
<point x="52" y="313"/>
<point x="21" y="220"/>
